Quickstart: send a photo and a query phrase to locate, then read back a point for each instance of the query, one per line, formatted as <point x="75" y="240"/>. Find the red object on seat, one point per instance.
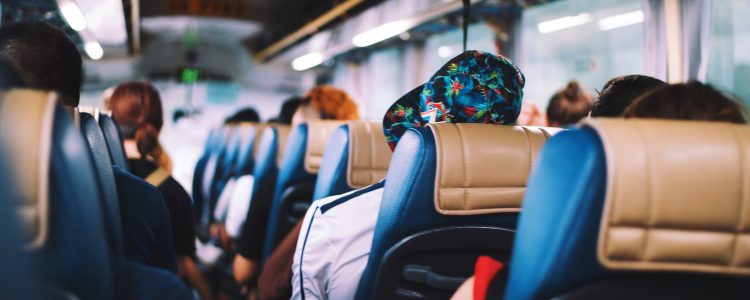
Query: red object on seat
<point x="484" y="271"/>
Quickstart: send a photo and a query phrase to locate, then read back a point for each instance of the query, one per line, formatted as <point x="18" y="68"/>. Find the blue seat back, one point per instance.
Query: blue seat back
<point x="356" y="156"/>
<point x="265" y="172"/>
<point x="559" y="250"/>
<point x="113" y="136"/>
<point x="296" y="180"/>
<point x="103" y="166"/>
<point x="63" y="222"/>
<point x="409" y="218"/>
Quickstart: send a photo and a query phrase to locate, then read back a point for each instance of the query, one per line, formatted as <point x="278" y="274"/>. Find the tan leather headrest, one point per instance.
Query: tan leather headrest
<point x="369" y="154"/>
<point x="482" y="168"/>
<point x="283" y="132"/>
<point x="26" y="118"/>
<point x="318" y="133"/>
<point x="677" y="197"/>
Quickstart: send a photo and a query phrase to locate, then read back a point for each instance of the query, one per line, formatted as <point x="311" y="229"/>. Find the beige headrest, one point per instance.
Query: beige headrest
<point x="678" y="196"/>
<point x="283" y="132"/>
<point x="26" y="119"/>
<point x="369" y="154"/>
<point x="318" y="133"/>
<point x="482" y="168"/>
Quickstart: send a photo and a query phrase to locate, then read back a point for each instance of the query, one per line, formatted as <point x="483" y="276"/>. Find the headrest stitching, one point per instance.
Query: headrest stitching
<point x="463" y="164"/>
<point x="744" y="196"/>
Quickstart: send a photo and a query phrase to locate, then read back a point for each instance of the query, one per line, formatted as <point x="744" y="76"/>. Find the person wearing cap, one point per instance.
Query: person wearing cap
<point x="336" y="235"/>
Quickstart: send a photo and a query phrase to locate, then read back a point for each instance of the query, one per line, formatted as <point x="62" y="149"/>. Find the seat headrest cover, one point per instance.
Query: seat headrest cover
<point x="317" y="138"/>
<point x="283" y="133"/>
<point x="481" y="168"/>
<point x="93" y="111"/>
<point x="369" y="154"/>
<point x="26" y="119"/>
<point x="677" y="196"/>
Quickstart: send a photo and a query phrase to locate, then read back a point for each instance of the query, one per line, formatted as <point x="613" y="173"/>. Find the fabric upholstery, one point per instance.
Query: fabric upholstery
<point x="106" y="180"/>
<point x="111" y="132"/>
<point x="483" y="169"/>
<point x="677" y="196"/>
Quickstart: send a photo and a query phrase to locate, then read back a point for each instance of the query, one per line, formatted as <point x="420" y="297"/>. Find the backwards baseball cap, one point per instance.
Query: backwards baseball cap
<point x="473" y="87"/>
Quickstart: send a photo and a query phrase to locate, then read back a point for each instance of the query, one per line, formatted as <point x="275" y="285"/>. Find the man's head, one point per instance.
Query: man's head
<point x="687" y="101"/>
<point x="473" y="87"/>
<point x="44" y="57"/>
<point x="620" y="92"/>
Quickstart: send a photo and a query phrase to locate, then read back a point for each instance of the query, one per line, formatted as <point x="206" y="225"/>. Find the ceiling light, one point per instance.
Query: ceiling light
<point x="444" y="51"/>
<point x="93" y="50"/>
<point x="72" y="14"/>
<point x="621" y="20"/>
<point x="307" y="61"/>
<point x="564" y="23"/>
<point x="381" y="33"/>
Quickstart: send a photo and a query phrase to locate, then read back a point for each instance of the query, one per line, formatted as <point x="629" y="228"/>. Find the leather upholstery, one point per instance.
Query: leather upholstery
<point x="356" y="156"/>
<point x="408" y="205"/>
<point x="691" y="174"/>
<point x="106" y="179"/>
<point x="677" y="198"/>
<point x="302" y="156"/>
<point x="369" y="154"/>
<point x="560" y="206"/>
<point x="483" y="169"/>
<point x="317" y="139"/>
<point x="32" y="112"/>
<point x="247" y="148"/>
<point x="16" y="279"/>
<point x="111" y="132"/>
<point x="265" y="172"/>
<point x="73" y="254"/>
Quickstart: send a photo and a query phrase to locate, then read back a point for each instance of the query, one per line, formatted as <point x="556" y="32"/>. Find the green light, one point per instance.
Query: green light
<point x="190" y="75"/>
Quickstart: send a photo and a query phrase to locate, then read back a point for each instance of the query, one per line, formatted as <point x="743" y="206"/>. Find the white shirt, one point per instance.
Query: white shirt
<point x="334" y="244"/>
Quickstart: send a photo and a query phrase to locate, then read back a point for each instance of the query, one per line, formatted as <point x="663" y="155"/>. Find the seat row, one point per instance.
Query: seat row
<point x="615" y="208"/>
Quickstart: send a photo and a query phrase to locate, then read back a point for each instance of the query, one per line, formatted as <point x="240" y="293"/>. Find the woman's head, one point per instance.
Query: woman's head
<point x="619" y="92"/>
<point x="568" y="106"/>
<point x="136" y="106"/>
<point x="328" y="103"/>
<point x="687" y="101"/>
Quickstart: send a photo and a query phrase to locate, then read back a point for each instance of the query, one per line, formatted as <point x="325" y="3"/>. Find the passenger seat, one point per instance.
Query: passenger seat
<point x="453" y="192"/>
<point x="356" y="156"/>
<point x="637" y="209"/>
<point x="59" y="207"/>
<point x="296" y="180"/>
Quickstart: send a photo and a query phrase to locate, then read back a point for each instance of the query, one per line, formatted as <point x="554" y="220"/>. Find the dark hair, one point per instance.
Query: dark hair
<point x="619" y="92"/>
<point x="44" y="57"/>
<point x="9" y="78"/>
<point x="568" y="106"/>
<point x="687" y="101"/>
<point x="136" y="106"/>
<point x="288" y="109"/>
<point x="247" y="114"/>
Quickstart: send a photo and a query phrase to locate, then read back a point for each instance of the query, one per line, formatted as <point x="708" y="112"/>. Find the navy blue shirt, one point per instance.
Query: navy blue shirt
<point x="178" y="203"/>
<point x="146" y="226"/>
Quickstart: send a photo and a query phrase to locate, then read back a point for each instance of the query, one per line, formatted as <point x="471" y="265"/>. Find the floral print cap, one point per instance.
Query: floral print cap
<point x="473" y="87"/>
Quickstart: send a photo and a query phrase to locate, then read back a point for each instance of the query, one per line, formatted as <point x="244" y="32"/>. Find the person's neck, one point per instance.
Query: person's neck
<point x="131" y="149"/>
